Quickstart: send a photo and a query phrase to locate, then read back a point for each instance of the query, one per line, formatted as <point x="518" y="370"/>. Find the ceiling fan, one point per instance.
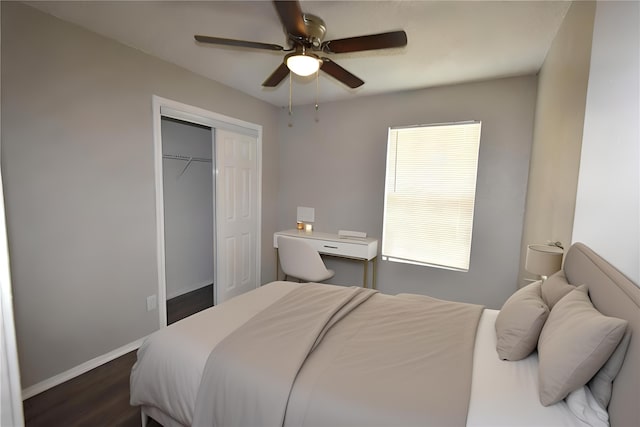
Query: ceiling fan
<point x="305" y="33"/>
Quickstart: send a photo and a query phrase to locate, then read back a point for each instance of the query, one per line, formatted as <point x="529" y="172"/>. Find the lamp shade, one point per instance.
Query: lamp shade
<point x="543" y="259"/>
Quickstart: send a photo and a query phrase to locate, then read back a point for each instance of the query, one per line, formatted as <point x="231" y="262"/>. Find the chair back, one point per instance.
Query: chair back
<point x="300" y="260"/>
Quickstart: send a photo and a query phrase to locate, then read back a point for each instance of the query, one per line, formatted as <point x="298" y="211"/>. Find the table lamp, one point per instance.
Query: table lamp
<point x="543" y="260"/>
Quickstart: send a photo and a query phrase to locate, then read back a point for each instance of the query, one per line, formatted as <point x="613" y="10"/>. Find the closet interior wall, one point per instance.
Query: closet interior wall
<point x="188" y="206"/>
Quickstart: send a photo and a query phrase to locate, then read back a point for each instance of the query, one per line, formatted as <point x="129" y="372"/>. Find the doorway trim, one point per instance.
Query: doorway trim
<point x="177" y="110"/>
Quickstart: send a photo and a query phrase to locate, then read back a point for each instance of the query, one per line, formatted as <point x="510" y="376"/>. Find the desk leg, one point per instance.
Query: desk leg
<point x="365" y="263"/>
<point x="373" y="273"/>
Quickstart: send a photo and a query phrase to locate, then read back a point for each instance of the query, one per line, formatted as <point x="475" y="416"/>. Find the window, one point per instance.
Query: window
<point x="430" y="194"/>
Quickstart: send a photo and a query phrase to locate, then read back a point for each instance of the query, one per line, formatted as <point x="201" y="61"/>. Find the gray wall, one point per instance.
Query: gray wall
<point x="77" y="159"/>
<point x="10" y="387"/>
<point x="557" y="136"/>
<point x="337" y="166"/>
<point x="608" y="200"/>
<point x="188" y="207"/>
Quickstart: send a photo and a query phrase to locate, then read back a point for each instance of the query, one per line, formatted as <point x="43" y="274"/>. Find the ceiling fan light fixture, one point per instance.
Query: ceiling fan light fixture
<point x="303" y="64"/>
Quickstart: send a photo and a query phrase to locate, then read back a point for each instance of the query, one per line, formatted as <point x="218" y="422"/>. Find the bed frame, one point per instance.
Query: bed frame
<point x="614" y="295"/>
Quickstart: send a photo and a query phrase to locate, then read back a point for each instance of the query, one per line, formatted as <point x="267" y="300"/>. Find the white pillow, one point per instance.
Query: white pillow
<point x="586" y="408"/>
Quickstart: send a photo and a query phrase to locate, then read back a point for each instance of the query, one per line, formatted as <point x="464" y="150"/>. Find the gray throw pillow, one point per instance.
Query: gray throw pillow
<point x="519" y="323"/>
<point x="601" y="385"/>
<point x="555" y="287"/>
<point x="574" y="344"/>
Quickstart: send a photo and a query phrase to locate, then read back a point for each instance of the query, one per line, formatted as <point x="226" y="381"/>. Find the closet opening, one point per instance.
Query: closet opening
<point x="188" y="186"/>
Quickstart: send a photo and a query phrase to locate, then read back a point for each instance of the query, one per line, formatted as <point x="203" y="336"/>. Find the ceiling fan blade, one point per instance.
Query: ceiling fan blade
<point x="339" y="73"/>
<point x="237" y="43"/>
<point x="290" y="14"/>
<point x="370" y="42"/>
<point x="277" y="76"/>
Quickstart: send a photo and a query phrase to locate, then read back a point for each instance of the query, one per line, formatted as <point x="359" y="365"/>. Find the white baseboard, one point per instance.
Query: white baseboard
<point x="79" y="370"/>
<point x="187" y="289"/>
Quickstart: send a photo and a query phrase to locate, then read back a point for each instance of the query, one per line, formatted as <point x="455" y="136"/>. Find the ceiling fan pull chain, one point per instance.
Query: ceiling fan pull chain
<point x="317" y="93"/>
<point x="290" y="90"/>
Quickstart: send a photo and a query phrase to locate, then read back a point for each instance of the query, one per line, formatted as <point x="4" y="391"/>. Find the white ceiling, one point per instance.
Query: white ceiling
<point x="448" y="41"/>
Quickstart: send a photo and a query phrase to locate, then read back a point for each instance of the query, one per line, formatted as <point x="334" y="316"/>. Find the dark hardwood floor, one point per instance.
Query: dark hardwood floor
<point x="100" y="397"/>
<point x="185" y="305"/>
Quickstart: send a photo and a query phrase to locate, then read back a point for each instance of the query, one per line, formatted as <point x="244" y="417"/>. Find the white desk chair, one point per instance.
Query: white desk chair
<point x="301" y="261"/>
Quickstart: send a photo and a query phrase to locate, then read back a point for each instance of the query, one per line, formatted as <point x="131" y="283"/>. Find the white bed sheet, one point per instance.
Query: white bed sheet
<point x="172" y="360"/>
<point x="170" y="365"/>
<point x="505" y="393"/>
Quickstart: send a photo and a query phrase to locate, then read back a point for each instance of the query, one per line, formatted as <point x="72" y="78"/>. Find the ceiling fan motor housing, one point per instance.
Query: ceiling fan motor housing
<point x="316" y="29"/>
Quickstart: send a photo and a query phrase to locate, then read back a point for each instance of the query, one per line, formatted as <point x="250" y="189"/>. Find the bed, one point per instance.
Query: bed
<point x="313" y="355"/>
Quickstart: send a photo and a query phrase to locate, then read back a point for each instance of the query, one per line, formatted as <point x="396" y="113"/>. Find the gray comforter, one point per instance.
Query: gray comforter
<point x="331" y="356"/>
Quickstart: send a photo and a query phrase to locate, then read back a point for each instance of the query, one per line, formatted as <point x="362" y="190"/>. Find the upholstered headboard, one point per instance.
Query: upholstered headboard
<point x="614" y="295"/>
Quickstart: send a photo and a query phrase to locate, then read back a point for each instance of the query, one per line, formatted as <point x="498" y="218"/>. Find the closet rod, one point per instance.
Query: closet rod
<point x="187" y="158"/>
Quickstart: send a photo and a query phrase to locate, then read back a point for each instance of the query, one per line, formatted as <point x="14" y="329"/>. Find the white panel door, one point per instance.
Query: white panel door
<point x="236" y="215"/>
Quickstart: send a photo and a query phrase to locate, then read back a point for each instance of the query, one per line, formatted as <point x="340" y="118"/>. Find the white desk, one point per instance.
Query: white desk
<point x="363" y="250"/>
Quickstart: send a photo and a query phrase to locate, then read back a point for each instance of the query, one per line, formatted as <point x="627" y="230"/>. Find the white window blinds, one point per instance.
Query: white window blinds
<point x="430" y="194"/>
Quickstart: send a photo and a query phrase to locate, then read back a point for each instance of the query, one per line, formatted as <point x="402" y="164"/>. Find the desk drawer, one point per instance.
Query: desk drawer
<point x="345" y="249"/>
